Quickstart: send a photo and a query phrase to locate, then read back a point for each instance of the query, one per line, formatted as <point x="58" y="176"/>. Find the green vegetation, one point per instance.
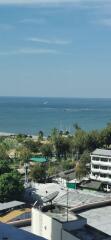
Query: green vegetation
<point x="11" y="187"/>
<point x="38" y="173"/>
<point x="47" y="150"/>
<point x="4" y="167"/>
<point x="63" y="150"/>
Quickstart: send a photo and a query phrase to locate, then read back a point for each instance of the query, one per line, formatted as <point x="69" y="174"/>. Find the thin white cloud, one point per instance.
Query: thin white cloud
<point x="48" y="41"/>
<point x="30" y="51"/>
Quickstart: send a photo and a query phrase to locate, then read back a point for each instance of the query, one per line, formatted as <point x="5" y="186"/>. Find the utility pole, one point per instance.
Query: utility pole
<point x="67" y="201"/>
<point x="26" y="165"/>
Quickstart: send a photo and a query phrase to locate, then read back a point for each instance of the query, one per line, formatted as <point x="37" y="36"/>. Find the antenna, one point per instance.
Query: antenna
<point x="26" y="165"/>
<point x="67" y="200"/>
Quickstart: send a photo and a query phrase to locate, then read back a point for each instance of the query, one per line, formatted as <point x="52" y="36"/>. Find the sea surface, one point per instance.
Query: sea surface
<point x="30" y="115"/>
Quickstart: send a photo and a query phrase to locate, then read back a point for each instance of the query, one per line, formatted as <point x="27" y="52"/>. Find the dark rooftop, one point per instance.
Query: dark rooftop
<point x="91" y="184"/>
<point x="90" y="233"/>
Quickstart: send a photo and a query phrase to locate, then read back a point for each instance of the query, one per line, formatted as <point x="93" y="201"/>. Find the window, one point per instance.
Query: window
<point x="95" y="166"/>
<point x="104" y="168"/>
<point x="104" y="159"/>
<point x="95" y="158"/>
<point x="103" y="175"/>
<point x="95" y="175"/>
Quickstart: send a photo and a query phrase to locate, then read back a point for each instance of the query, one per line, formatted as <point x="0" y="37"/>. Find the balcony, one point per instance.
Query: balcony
<point x="101" y="163"/>
<point x="95" y="162"/>
<point x="102" y="179"/>
<point x="108" y="164"/>
<point x="104" y="171"/>
<point x="95" y="170"/>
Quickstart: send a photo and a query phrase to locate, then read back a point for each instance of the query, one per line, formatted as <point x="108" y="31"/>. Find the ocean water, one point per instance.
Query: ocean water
<point x="29" y="115"/>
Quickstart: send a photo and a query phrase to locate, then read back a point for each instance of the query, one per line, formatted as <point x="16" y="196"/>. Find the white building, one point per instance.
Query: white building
<point x="55" y="226"/>
<point x="101" y="165"/>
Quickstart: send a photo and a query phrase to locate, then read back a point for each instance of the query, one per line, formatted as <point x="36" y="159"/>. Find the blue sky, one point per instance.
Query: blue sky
<point x="59" y="48"/>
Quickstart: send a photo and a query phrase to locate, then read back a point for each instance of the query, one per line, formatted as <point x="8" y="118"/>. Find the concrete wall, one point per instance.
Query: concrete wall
<point x="68" y="236"/>
<point x="45" y="226"/>
<point x="51" y="229"/>
<point x="74" y="225"/>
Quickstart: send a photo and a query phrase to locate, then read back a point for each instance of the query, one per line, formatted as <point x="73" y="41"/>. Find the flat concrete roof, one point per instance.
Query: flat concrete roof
<point x="99" y="218"/>
<point x="61" y="216"/>
<point x="9" y="232"/>
<point x="102" y="152"/>
<point x="12" y="204"/>
<point x="76" y="198"/>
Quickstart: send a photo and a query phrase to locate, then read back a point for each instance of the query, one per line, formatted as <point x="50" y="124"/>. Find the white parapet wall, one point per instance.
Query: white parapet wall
<point x="52" y="229"/>
<point x="45" y="226"/>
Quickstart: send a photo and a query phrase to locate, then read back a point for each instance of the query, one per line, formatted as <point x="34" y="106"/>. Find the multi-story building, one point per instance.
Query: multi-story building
<point x="101" y="165"/>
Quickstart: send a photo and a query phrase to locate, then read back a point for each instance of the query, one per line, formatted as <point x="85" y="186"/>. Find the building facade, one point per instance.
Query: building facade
<point x="101" y="165"/>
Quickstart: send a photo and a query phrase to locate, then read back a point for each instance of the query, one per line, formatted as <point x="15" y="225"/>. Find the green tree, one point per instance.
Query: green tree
<point x="79" y="141"/>
<point x="3" y="152"/>
<point x="11" y="187"/>
<point x="105" y="136"/>
<point x="92" y="140"/>
<point x="24" y="154"/>
<point x="11" y="143"/>
<point x="76" y="126"/>
<point x="82" y="168"/>
<point x="4" y="167"/>
<point x="62" y="146"/>
<point x="40" y="135"/>
<point x="38" y="173"/>
<point x="46" y="150"/>
<point x="54" y="135"/>
<point x="52" y="170"/>
<point x="32" y="145"/>
<point x="21" y="137"/>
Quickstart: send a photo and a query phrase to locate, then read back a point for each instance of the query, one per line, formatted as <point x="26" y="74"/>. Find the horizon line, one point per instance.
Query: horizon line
<point x="63" y="97"/>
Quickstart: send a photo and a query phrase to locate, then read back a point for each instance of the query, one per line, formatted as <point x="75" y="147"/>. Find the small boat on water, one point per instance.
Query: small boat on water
<point x="45" y="103"/>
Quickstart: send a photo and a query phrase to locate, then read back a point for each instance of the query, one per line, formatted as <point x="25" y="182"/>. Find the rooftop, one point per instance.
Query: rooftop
<point x="91" y="184"/>
<point x="99" y="218"/>
<point x="39" y="159"/>
<point x="102" y="152"/>
<point x="11" y="233"/>
<point x="89" y="233"/>
<point x="76" y="198"/>
<point x="60" y="214"/>
<point x="12" y="204"/>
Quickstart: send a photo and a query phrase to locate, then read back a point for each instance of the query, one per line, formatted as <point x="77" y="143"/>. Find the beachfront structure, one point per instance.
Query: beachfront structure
<point x="101" y="166"/>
